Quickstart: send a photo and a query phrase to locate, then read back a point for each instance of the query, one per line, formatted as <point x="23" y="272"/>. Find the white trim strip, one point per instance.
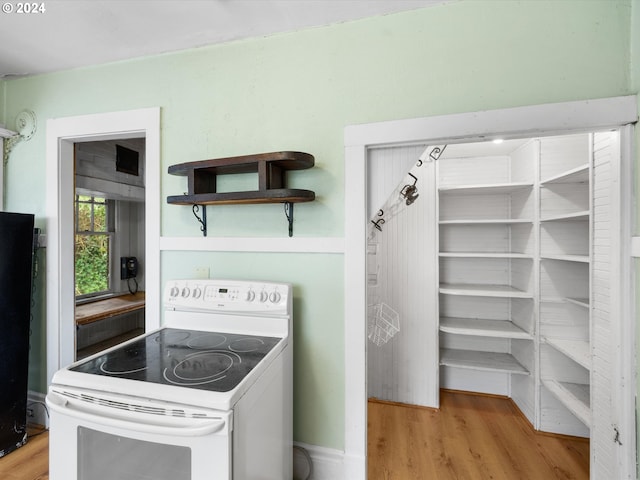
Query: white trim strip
<point x="635" y="246"/>
<point x="513" y="122"/>
<point x="254" y="244"/>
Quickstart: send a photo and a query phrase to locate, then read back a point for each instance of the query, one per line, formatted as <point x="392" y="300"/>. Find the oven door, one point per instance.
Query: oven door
<point x="107" y="437"/>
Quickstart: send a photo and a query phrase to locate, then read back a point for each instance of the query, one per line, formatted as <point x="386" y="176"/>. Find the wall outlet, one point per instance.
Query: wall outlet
<point x="201" y="272"/>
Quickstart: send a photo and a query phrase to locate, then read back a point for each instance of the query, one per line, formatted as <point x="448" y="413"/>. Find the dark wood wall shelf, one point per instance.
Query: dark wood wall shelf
<point x="271" y="169"/>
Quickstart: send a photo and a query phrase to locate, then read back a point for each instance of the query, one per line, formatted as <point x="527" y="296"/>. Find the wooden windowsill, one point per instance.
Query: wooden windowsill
<point x="110" y="307"/>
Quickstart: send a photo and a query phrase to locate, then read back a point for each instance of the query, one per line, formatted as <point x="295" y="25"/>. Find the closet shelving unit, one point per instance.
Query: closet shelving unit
<point x="486" y="261"/>
<point x="565" y="253"/>
<point x="514" y="262"/>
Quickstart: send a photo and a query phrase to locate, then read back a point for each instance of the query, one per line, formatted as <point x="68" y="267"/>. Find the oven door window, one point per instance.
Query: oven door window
<point x="102" y="456"/>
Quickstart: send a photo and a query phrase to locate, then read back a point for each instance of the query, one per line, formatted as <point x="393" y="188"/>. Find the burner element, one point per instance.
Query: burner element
<point x="125" y="361"/>
<point x="202" y="367"/>
<point x="246" y="345"/>
<point x="172" y="337"/>
<point x="207" y="341"/>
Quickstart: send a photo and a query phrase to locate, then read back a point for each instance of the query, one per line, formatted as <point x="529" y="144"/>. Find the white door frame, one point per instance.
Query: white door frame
<point x="4" y="133"/>
<point x="61" y="134"/>
<point x="559" y="118"/>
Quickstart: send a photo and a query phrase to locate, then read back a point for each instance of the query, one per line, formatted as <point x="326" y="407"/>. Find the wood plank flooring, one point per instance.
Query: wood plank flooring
<point x="471" y="437"/>
<point x="29" y="462"/>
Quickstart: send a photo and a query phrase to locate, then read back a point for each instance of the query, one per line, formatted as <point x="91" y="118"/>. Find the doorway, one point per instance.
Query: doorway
<point x="480" y="126"/>
<point x="62" y="135"/>
<point x="109" y="243"/>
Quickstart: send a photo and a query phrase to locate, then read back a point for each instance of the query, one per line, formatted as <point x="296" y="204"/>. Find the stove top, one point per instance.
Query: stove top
<point x="210" y="361"/>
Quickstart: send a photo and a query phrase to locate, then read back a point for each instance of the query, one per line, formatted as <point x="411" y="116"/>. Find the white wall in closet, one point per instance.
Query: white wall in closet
<point x="401" y="274"/>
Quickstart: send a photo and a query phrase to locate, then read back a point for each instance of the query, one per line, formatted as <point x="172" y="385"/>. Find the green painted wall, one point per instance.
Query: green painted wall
<point x="298" y="91"/>
<point x="318" y="312"/>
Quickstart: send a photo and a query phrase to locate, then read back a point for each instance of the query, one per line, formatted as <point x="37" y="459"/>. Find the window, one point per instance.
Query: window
<point x="94" y="239"/>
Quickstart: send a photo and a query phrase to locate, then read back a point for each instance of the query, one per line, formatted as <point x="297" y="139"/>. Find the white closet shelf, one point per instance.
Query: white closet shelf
<point x="483" y="328"/>
<point x="573" y="216"/>
<point x="485" y="189"/>
<point x="481" y="290"/>
<point x="576" y="350"/>
<point x="485" y="221"/>
<point x="567" y="258"/>
<point x="486" y="361"/>
<point x="581" y="302"/>
<point x="575" y="175"/>
<point x="574" y="396"/>
<point x="484" y="255"/>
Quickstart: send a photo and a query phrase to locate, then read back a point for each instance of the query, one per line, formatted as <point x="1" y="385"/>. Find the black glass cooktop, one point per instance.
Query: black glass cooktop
<point x="189" y="358"/>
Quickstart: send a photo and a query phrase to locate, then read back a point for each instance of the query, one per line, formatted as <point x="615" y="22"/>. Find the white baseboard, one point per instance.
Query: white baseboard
<point x="37" y="412"/>
<point x="327" y="463"/>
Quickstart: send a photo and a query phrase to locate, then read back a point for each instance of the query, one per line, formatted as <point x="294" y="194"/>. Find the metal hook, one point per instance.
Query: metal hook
<point x="436" y="152"/>
<point x="378" y="224"/>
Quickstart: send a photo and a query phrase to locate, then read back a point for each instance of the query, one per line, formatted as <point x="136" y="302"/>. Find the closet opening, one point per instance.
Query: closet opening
<point x="487" y="272"/>
<point x="509" y="269"/>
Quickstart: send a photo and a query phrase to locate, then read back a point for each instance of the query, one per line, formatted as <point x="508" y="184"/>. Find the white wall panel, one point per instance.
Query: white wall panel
<point x="469" y="380"/>
<point x="474" y="307"/>
<point x="562" y="153"/>
<point x="387" y="168"/>
<point x="405" y="369"/>
<point x="523" y="169"/>
<point x="570" y="238"/>
<point x="475" y="170"/>
<point x="478" y="238"/>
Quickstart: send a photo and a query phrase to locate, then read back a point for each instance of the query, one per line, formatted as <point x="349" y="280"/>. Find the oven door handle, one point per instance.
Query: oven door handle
<point x="137" y="421"/>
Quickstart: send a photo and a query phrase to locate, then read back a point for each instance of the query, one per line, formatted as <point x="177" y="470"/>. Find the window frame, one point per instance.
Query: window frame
<point x="110" y="232"/>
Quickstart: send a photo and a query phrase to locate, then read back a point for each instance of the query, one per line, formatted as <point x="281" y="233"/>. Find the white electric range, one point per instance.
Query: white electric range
<point x="206" y="397"/>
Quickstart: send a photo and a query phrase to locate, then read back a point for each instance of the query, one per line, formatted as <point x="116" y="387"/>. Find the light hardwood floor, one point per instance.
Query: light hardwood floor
<point x="29" y="462"/>
<point x="471" y="437"/>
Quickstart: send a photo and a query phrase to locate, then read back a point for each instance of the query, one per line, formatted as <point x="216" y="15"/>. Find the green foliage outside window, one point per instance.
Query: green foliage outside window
<point x="92" y="245"/>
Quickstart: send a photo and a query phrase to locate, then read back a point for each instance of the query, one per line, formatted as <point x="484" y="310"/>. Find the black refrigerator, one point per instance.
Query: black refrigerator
<point x="16" y="257"/>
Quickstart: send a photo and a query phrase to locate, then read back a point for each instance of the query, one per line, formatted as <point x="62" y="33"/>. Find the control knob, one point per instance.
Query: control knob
<point x="250" y="296"/>
<point x="174" y="292"/>
<point x="264" y="296"/>
<point x="275" y="297"/>
<point x="185" y="292"/>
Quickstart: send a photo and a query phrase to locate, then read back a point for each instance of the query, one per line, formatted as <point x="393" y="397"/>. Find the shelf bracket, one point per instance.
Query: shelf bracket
<point x="288" y="212"/>
<point x="203" y="221"/>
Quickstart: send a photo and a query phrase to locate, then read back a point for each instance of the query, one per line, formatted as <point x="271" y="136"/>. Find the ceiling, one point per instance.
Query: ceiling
<point x="77" y="33"/>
